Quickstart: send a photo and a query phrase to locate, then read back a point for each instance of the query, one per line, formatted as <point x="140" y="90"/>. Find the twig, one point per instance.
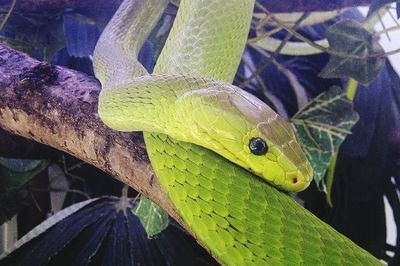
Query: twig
<point x="8" y="14"/>
<point x="350" y="93"/>
<point x="328" y="50"/>
<point x="280" y="47"/>
<point x="386" y="30"/>
<point x="351" y="89"/>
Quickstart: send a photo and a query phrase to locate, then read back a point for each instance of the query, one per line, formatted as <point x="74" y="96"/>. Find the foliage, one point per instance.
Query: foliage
<point x="359" y="42"/>
<point x="322" y="125"/>
<point x="102" y="231"/>
<point x="153" y="218"/>
<point x="44" y="34"/>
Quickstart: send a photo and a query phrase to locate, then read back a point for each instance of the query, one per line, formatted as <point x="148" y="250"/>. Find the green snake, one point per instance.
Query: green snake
<point x="215" y="149"/>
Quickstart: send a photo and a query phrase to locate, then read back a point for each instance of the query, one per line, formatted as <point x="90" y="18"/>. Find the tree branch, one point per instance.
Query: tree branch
<point x="272" y="5"/>
<point x="58" y="107"/>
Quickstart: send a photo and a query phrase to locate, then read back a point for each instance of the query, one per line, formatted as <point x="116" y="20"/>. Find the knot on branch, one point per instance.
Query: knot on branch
<point x="35" y="79"/>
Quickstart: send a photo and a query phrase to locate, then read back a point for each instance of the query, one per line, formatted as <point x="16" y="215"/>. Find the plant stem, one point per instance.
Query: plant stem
<point x="8" y="14"/>
<point x="124" y="191"/>
<point x="351" y="90"/>
<point x="328" y="50"/>
<point x="329" y="180"/>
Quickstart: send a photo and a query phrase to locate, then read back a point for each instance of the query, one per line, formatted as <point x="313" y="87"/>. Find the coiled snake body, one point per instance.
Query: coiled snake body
<point x="204" y="136"/>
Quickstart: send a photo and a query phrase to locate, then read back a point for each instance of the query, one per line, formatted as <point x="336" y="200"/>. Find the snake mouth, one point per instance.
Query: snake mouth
<point x="299" y="180"/>
<point x="287" y="176"/>
<point x="295" y="185"/>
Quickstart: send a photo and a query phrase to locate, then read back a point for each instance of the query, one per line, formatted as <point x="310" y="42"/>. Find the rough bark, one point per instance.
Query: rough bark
<point x="272" y="5"/>
<point x="58" y="107"/>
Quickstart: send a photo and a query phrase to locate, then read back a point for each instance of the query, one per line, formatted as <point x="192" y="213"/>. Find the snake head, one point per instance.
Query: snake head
<point x="282" y="162"/>
<point x="215" y="115"/>
<point x="249" y="133"/>
<point x="270" y="150"/>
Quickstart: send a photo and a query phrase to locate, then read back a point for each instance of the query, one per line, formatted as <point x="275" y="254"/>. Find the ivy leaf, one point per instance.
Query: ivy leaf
<point x="15" y="173"/>
<point x="18" y="165"/>
<point x="351" y="39"/>
<point x="321" y="127"/>
<point x="153" y="218"/>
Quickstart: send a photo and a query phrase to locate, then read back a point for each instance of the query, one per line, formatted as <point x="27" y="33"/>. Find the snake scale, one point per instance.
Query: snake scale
<point x="215" y="149"/>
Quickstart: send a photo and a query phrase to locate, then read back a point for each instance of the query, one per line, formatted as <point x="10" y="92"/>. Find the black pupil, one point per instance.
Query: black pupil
<point x="258" y="146"/>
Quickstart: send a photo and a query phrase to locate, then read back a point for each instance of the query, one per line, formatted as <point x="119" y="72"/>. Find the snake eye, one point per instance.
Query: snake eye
<point x="258" y="146"/>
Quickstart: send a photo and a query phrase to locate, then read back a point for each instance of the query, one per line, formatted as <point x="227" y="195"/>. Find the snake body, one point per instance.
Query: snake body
<point x="238" y="216"/>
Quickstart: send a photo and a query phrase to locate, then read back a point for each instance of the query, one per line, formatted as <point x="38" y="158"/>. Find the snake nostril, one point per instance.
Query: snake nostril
<point x="294" y="180"/>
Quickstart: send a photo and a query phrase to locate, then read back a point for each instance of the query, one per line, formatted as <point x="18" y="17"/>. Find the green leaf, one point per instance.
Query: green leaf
<point x="18" y="165"/>
<point x="349" y="38"/>
<point x="321" y="126"/>
<point x="153" y="218"/>
<point x="14" y="174"/>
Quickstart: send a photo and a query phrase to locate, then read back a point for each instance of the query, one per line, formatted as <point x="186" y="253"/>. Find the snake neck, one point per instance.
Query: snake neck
<point x="207" y="38"/>
<point x="115" y="56"/>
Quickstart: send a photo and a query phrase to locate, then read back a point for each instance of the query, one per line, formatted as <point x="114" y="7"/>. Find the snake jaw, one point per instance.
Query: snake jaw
<point x="298" y="170"/>
<point x="296" y="181"/>
<point x="284" y="165"/>
<point x="286" y="176"/>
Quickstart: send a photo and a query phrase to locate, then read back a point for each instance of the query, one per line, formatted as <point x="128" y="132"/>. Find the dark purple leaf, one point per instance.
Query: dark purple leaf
<point x="106" y="232"/>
